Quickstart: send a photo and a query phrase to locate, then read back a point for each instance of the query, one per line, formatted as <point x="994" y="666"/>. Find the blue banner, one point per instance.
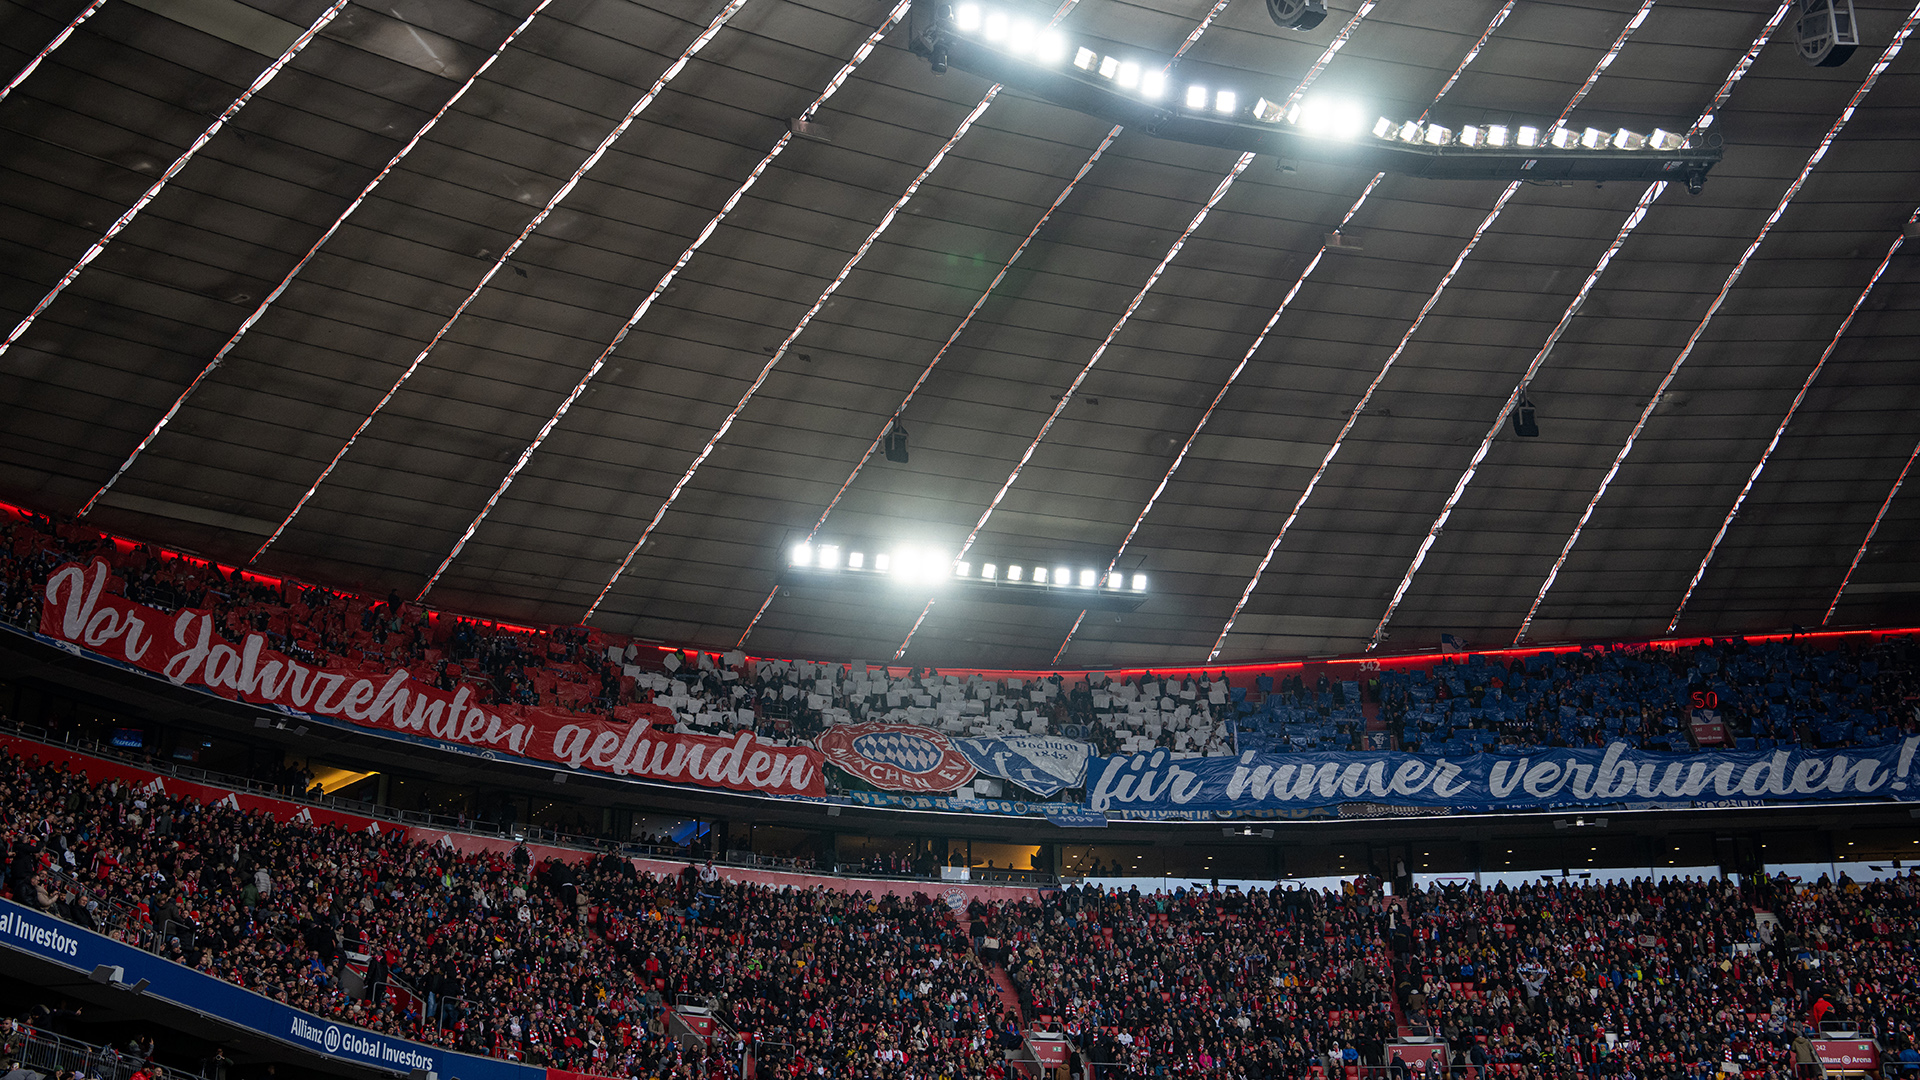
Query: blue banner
<point x="25" y="930"/>
<point x="1043" y="764"/>
<point x="1617" y="774"/>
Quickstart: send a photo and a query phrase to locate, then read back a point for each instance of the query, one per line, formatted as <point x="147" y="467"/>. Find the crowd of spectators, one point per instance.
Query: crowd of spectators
<point x="576" y="963"/>
<point x="564" y="964"/>
<point x="1734" y="693"/>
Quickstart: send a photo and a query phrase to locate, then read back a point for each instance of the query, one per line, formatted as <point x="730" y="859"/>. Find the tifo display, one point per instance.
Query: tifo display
<point x="1715" y="723"/>
<point x="586" y="962"/>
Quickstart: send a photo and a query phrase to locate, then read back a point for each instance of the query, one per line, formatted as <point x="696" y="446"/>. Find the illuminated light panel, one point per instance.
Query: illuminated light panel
<point x="1039" y="575"/>
<point x="1871" y="529"/>
<point x="968" y="17"/>
<point x="883" y="562"/>
<point x="1196" y="97"/>
<point x="1497" y="135"/>
<point x="1139" y="583"/>
<point x="1128" y="76"/>
<point x="989" y="572"/>
<point x="1109" y="67"/>
<point x="1113" y="574"/>
<point x="1193" y="36"/>
<point x="1153" y="84"/>
<point x="961" y="569"/>
<point x="247" y="324"/>
<point x="1360" y="406"/>
<point x="126" y="218"/>
<point x="1062" y="576"/>
<point x="1086" y="59"/>
<point x="1337" y="118"/>
<point x="1088" y="577"/>
<point x="1014" y="573"/>
<point x="1781" y="431"/>
<point x="1606" y="480"/>
<point x="1225" y="101"/>
<point x="802" y="555"/>
<point x="1528" y="136"/>
<point x="59" y="39"/>
<point x="1051" y="47"/>
<point x="856" y="560"/>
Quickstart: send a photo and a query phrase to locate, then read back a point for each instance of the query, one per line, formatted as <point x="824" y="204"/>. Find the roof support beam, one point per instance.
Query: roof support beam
<point x="247" y="324"/>
<point x="679" y="64"/>
<point x="666" y="281"/>
<point x="966" y="321"/>
<point x="780" y="352"/>
<point x="120" y="224"/>
<point x="59" y="39"/>
<point x="1286" y="301"/>
<point x="1353" y="416"/>
<point x="1578" y="302"/>
<point x="1839" y="124"/>
<point x="1781" y="431"/>
<point x="1066" y="396"/>
<point x="1871" y="529"/>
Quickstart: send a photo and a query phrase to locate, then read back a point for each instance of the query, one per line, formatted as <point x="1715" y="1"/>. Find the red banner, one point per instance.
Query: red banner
<point x="183" y="649"/>
<point x="897" y="757"/>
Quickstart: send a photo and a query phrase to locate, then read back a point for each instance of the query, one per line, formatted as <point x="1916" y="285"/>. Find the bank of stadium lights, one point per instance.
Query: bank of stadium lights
<point x="1135" y="88"/>
<point x="921" y="568"/>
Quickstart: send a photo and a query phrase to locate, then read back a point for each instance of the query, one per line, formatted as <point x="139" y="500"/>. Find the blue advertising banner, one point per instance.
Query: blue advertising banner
<point x="1612" y="775"/>
<point x="23" y="929"/>
<point x="1043" y="764"/>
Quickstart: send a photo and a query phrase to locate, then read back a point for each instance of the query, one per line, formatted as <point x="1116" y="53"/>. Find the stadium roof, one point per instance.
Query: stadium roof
<point x="823" y="267"/>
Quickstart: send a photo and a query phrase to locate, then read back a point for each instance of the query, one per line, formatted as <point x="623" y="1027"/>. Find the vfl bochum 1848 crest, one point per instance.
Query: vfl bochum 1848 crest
<point x="897" y="757"/>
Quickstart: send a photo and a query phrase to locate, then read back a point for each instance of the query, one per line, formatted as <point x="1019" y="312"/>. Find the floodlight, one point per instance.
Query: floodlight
<point x="995" y="28"/>
<point x="988" y="571"/>
<point x="1269" y="112"/>
<point x="1087" y="578"/>
<point x="1109" y="67"/>
<point x="1528" y="136"/>
<point x="1471" y="136"/>
<point x="1153" y="84"/>
<point x="1330" y="117"/>
<point x="967" y="17"/>
<point x="1052" y="47"/>
<point x="961" y="569"/>
<point x="1116" y="580"/>
<point x="802" y="555"/>
<point x="883" y="562"/>
<point x="1225" y="101"/>
<point x="1013" y="573"/>
<point x="1594" y="138"/>
<point x="829" y="556"/>
<point x="1062" y="576"/>
<point x="1196" y="97"/>
<point x="1628" y="140"/>
<point x="1496" y="134"/>
<point x="1085" y="58"/>
<point x="1665" y="140"/>
<point x="1129" y="75"/>
<point x="1139" y="583"/>
<point x="1039" y="575"/>
<point x="1384" y="128"/>
<point x="1022" y="37"/>
<point x="1565" y="138"/>
<point x="1410" y="131"/>
<point x="856" y="560"/>
<point x="1437" y="135"/>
